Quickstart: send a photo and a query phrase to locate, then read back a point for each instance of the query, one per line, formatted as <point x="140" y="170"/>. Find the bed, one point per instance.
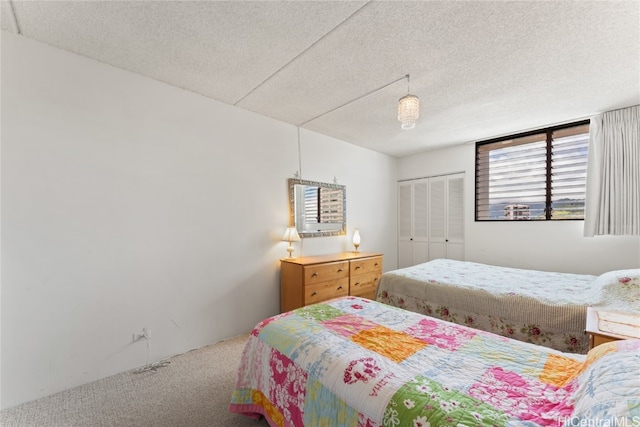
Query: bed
<point x="361" y="363"/>
<point x="539" y="307"/>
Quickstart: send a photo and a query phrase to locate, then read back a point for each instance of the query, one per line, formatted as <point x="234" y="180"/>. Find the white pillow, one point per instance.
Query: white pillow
<point x="618" y="288"/>
<point x="609" y="388"/>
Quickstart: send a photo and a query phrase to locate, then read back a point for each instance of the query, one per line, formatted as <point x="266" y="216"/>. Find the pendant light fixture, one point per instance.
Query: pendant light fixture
<point x="408" y="109"/>
<point x="408" y="106"/>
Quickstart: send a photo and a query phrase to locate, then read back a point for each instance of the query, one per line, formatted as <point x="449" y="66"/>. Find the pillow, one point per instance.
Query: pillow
<point x="609" y="388"/>
<point x="619" y="288"/>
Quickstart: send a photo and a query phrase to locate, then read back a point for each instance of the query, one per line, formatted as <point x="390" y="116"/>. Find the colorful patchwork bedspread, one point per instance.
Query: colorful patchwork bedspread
<point x="356" y="362"/>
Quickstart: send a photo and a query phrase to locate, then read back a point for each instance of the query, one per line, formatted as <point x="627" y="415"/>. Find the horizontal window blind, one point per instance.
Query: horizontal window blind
<point x="311" y="197"/>
<point x="535" y="176"/>
<point x="569" y="172"/>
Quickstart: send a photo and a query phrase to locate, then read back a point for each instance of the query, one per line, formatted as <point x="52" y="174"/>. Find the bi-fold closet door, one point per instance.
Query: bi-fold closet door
<point x="430" y="219"/>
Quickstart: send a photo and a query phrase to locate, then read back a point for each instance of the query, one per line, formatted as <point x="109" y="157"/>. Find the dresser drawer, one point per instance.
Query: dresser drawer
<point x="326" y="290"/>
<point x="364" y="284"/>
<point x="323" y="272"/>
<point x="366" y="265"/>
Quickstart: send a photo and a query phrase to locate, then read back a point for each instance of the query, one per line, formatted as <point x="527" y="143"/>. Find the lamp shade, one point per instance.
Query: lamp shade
<point x="408" y="111"/>
<point x="356" y="237"/>
<point x="291" y="235"/>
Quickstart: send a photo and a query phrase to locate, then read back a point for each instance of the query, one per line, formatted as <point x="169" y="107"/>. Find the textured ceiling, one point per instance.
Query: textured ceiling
<point x="481" y="68"/>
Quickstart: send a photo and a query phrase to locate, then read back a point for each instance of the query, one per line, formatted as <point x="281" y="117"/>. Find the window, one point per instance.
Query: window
<point x="539" y="175"/>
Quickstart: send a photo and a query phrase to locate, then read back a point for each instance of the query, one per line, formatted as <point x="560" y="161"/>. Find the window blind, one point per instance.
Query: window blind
<point x="539" y="175"/>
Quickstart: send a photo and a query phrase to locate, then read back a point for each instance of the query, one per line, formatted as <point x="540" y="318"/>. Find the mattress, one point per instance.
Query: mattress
<point x="540" y="307"/>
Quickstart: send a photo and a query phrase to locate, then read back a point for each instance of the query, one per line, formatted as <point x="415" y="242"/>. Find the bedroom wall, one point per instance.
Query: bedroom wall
<point x="128" y="203"/>
<point x="545" y="245"/>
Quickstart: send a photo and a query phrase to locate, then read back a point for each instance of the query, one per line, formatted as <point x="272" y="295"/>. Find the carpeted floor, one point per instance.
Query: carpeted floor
<point x="194" y="389"/>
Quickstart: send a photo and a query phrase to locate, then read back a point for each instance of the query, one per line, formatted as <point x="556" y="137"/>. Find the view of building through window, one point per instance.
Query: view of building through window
<point x="540" y="175"/>
<point x="323" y="205"/>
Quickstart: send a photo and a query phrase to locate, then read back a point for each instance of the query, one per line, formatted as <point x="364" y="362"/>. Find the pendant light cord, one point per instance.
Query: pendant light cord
<point x="356" y="99"/>
<point x="299" y="154"/>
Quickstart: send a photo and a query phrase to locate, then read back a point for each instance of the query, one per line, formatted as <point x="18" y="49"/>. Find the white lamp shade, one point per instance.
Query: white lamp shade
<point x="408" y="111"/>
<point x="291" y="235"/>
<point x="356" y="237"/>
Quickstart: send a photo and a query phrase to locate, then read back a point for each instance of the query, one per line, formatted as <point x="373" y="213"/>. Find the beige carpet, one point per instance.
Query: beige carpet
<point x="194" y="389"/>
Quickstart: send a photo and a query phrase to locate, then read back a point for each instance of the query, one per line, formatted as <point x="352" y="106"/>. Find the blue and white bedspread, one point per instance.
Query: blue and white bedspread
<point x="540" y="307"/>
<point x="356" y="362"/>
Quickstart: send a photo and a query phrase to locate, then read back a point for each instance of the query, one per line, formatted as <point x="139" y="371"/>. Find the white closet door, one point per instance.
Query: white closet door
<point x="437" y="220"/>
<point x="413" y="232"/>
<point x="420" y="221"/>
<point x="455" y="217"/>
<point x="405" y="191"/>
<point x="405" y="227"/>
<point x="430" y="219"/>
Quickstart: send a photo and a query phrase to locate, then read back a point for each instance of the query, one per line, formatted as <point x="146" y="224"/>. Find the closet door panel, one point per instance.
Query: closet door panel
<point x="437" y="218"/>
<point x="455" y="217"/>
<point x="405" y="217"/>
<point x="421" y="211"/>
<point x="413" y="226"/>
<point x="420" y="252"/>
<point x="405" y="253"/>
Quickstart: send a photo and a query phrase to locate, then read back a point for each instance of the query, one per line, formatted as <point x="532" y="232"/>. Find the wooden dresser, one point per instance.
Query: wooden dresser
<point x="309" y="280"/>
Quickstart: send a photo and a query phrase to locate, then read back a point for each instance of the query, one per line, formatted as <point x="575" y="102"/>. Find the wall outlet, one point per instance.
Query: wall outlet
<point x="145" y="335"/>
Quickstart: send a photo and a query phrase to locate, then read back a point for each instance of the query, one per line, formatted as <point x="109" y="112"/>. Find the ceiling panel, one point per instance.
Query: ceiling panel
<point x="218" y="49"/>
<point x="481" y="69"/>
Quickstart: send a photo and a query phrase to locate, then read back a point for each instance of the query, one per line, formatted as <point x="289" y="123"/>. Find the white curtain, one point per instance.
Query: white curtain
<point x="612" y="204"/>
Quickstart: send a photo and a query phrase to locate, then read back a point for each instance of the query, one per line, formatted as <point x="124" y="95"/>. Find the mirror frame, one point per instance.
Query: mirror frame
<point x="292" y="220"/>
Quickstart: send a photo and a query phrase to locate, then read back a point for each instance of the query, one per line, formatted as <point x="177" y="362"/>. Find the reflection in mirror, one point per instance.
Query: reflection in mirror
<point x="317" y="208"/>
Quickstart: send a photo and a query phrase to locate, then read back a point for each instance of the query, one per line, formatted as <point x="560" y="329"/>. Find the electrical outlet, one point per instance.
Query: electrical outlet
<point x="145" y="335"/>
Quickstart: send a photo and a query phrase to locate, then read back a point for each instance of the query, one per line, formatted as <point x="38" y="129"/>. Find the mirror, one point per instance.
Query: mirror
<point x="317" y="209"/>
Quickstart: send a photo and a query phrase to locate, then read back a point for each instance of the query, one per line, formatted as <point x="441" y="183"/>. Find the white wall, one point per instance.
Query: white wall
<point x="371" y="195"/>
<point x="128" y="203"/>
<point x="542" y="245"/>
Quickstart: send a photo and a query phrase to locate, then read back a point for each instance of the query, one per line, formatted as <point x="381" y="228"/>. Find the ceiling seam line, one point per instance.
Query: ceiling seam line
<point x="15" y="18"/>
<point x="301" y="53"/>
<point x="406" y="76"/>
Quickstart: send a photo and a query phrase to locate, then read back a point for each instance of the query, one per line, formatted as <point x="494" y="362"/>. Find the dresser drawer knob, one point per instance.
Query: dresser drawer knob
<point x="339" y="288"/>
<point x="357" y="284"/>
<point x="314" y="275"/>
<point x="376" y="264"/>
<point x="341" y="270"/>
<point x="357" y="267"/>
<point x="314" y="294"/>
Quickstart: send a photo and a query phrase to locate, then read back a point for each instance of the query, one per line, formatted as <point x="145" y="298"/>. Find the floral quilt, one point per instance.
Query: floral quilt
<point x="544" y="308"/>
<point x="356" y="362"/>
